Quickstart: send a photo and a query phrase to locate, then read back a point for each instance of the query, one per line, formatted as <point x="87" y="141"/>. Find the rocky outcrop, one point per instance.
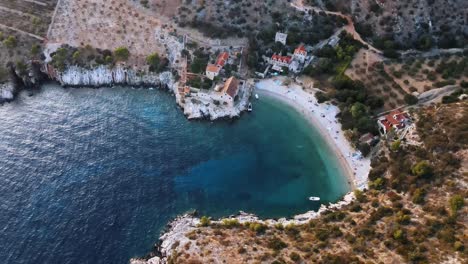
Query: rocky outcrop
<point x="29" y="78"/>
<point x="7" y="92"/>
<point x="202" y="104"/>
<point x="105" y="76"/>
<point x="10" y="89"/>
<point x="176" y="235"/>
<point x="74" y="76"/>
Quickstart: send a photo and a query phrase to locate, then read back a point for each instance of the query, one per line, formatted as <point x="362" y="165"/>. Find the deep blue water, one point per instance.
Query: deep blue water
<point x="93" y="175"/>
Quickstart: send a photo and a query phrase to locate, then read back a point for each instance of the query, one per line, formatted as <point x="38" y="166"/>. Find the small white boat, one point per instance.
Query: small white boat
<point x="256" y="96"/>
<point x="313" y="198"/>
<point x="249" y="108"/>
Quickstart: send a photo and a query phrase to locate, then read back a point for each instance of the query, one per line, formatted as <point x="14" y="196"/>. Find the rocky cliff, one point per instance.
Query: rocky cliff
<point x="106" y="76"/>
<point x="75" y="76"/>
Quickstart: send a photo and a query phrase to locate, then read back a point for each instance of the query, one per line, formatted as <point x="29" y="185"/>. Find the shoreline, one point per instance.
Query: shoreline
<point x="322" y="117"/>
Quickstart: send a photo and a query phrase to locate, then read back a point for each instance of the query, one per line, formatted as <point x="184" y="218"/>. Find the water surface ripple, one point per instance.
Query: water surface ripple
<point x="93" y="175"/>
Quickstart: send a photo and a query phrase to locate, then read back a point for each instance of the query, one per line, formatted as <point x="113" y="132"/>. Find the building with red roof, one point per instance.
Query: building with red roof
<point x="282" y="61"/>
<point x="212" y="70"/>
<point x="300" y="53"/>
<point x="394" y="120"/>
<point x="222" y="59"/>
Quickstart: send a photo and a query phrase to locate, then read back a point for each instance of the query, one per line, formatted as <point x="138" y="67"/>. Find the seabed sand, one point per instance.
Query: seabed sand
<point x="322" y="117"/>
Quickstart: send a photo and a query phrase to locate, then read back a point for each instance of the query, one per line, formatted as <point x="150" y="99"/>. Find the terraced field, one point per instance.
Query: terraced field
<point x="23" y="25"/>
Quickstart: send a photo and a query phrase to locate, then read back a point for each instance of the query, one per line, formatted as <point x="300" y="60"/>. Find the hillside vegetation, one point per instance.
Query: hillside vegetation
<point x="413" y="212"/>
<point x="419" y="24"/>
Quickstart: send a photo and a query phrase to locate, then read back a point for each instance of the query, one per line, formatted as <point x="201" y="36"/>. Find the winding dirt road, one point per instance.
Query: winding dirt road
<point x="299" y="5"/>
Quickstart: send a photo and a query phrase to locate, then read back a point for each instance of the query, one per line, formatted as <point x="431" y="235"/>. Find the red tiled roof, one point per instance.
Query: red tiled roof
<point x="212" y="68"/>
<point x="280" y="58"/>
<point x="401" y="117"/>
<point x="300" y="50"/>
<point x="222" y="58"/>
<point x="386" y="124"/>
<point x="395" y="118"/>
<point x="231" y="86"/>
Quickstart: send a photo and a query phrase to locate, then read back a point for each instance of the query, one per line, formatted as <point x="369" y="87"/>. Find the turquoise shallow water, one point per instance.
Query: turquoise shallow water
<point x="93" y="175"/>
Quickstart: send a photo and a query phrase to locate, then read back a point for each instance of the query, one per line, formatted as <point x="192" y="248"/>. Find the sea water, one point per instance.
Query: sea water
<point x="94" y="175"/>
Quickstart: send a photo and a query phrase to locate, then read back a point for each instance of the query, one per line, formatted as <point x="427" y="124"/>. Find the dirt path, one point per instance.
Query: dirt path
<point x="36" y="2"/>
<point x="299" y="5"/>
<point x="53" y="18"/>
<point x="22" y="32"/>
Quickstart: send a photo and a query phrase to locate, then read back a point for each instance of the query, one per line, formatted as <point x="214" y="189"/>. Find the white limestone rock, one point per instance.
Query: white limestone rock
<point x="105" y="76"/>
<point x="6" y="91"/>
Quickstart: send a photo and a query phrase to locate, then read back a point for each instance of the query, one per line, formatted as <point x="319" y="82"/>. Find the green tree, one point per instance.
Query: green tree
<point x="358" y="110"/>
<point x="153" y="59"/>
<point x="425" y="42"/>
<point x="76" y="56"/>
<point x="422" y="169"/>
<point x="109" y="59"/>
<point x="411" y="99"/>
<point x="395" y="145"/>
<point x="10" y="42"/>
<point x="121" y="53"/>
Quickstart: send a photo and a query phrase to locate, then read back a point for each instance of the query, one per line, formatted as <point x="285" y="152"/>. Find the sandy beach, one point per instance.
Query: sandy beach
<point x="322" y="117"/>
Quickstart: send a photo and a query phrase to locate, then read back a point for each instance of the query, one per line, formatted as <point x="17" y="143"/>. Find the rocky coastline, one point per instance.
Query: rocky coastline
<point x="18" y="79"/>
<point x="195" y="107"/>
<point x="103" y="76"/>
<point x="174" y="236"/>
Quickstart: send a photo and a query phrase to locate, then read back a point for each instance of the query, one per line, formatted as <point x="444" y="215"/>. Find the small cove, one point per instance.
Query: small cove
<point x="93" y="175"/>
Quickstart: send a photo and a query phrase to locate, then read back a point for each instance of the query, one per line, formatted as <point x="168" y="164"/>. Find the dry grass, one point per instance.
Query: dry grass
<point x="107" y="25"/>
<point x="17" y="19"/>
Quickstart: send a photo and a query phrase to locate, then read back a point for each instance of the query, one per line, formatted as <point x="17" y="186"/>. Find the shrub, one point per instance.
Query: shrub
<point x="418" y="196"/>
<point x="321" y="97"/>
<point x="334" y="216"/>
<point x="229" y="223"/>
<point x="360" y="197"/>
<point x="403" y="218"/>
<point x="398" y="234"/>
<point x="322" y="234"/>
<point x="294" y="256"/>
<point x="276" y="244"/>
<point x="205" y="221"/>
<point x="456" y="203"/>
<point x="10" y="42"/>
<point x="279" y="226"/>
<point x="257" y="227"/>
<point x="410" y="99"/>
<point x="121" y="53"/>
<point x="422" y="169"/>
<point x="458" y="246"/>
<point x="241" y="250"/>
<point x="377" y="184"/>
<point x="395" y="146"/>
<point x="292" y="230"/>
